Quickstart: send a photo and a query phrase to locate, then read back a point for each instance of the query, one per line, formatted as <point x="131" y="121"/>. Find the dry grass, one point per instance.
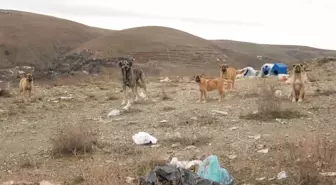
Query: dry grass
<point x="111" y="96"/>
<point x="74" y="139"/>
<point x="164" y="96"/>
<point x="270" y="107"/>
<point x="167" y="109"/>
<point x="306" y="159"/>
<point x="324" y="92"/>
<point x="117" y="173"/>
<point x="187" y="140"/>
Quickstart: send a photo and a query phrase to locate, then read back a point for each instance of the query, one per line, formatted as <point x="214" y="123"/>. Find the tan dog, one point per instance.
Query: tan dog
<point x="298" y="83"/>
<point x="26" y="84"/>
<point x="210" y="84"/>
<point x="228" y="73"/>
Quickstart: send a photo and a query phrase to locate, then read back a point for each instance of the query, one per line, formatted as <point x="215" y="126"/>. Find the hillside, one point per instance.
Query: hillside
<point x="286" y="53"/>
<point x="171" y="48"/>
<point x="27" y="38"/>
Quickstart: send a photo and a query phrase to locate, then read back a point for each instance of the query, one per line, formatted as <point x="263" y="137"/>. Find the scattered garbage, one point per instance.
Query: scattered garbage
<point x="282" y="175"/>
<point x="190" y="147"/>
<point x="210" y="169"/>
<point x="170" y="174"/>
<point x="142" y="138"/>
<point x="184" y="164"/>
<point x="163" y="121"/>
<point x="114" y="112"/>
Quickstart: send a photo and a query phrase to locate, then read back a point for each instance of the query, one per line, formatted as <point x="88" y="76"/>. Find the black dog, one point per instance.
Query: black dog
<point x="131" y="77"/>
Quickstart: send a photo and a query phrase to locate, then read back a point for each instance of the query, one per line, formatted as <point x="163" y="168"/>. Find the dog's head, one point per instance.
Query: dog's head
<point x="30" y="77"/>
<point x="298" y="68"/>
<point x="224" y="67"/>
<point x="125" y="64"/>
<point x="198" y="78"/>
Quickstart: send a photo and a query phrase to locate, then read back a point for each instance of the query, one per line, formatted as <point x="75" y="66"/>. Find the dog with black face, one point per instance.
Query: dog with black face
<point x="26" y="84"/>
<point x="132" y="78"/>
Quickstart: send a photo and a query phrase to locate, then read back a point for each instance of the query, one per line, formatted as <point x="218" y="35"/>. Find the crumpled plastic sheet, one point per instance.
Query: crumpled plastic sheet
<point x="171" y="175"/>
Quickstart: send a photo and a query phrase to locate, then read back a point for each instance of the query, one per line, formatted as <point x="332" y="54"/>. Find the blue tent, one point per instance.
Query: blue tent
<point x="279" y="68"/>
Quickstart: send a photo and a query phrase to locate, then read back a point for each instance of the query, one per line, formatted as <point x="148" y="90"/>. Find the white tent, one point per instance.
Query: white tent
<point x="265" y="69"/>
<point x="249" y="71"/>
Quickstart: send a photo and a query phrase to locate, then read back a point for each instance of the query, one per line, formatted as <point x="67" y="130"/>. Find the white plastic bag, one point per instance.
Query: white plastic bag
<point x="142" y="138"/>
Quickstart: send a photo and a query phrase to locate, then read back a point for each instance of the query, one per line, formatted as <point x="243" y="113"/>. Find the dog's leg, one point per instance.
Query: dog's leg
<point x="125" y="95"/>
<point x="143" y="85"/>
<point x="135" y="92"/>
<point x="301" y="94"/>
<point x="293" y="95"/>
<point x="205" y="96"/>
<point x="233" y="82"/>
<point x="200" y="96"/>
<point x="220" y="93"/>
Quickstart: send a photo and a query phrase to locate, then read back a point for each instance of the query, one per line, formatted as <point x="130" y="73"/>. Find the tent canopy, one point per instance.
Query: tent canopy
<point x="273" y="69"/>
<point x="279" y="68"/>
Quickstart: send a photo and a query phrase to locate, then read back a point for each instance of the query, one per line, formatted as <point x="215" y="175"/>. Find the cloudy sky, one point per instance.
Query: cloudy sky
<point x="295" y="22"/>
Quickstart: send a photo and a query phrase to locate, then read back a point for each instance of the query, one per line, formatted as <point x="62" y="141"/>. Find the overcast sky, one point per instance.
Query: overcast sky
<point x="295" y="22"/>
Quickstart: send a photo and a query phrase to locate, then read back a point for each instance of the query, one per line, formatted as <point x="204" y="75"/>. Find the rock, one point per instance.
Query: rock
<point x="114" y="112"/>
<point x="278" y="93"/>
<point x="44" y="182"/>
<point x="233" y="128"/>
<point x="232" y="157"/>
<point x="220" y="112"/>
<point x="282" y="175"/>
<point x="264" y="151"/>
<point x="256" y="137"/>
<point x="190" y="147"/>
<point x="261" y="178"/>
<point x="175" y="145"/>
<point x="130" y="180"/>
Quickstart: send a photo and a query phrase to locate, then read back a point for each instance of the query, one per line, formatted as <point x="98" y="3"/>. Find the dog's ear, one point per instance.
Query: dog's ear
<point x="130" y="63"/>
<point x="120" y="64"/>
<point x="294" y="65"/>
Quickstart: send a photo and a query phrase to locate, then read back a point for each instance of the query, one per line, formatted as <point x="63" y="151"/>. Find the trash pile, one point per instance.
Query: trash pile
<point x="208" y="173"/>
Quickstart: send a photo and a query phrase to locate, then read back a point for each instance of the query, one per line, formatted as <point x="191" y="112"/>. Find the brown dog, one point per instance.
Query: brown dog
<point x="209" y="84"/>
<point x="228" y="73"/>
<point x="298" y="83"/>
<point x="26" y="84"/>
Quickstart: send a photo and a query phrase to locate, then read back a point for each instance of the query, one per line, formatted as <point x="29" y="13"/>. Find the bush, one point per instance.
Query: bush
<point x="74" y="139"/>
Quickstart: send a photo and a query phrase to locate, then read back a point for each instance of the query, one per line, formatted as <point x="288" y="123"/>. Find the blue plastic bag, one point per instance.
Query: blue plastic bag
<point x="211" y="170"/>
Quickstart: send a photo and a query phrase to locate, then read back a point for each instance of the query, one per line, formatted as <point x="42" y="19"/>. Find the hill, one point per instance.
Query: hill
<point x="34" y="39"/>
<point x="171" y="48"/>
<point x="284" y="53"/>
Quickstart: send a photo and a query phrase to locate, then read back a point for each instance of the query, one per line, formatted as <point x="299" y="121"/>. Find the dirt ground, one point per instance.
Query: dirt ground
<point x="298" y="136"/>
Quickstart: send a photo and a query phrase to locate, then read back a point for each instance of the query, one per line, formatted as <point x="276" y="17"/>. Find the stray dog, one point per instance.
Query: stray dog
<point x="26" y="84"/>
<point x="298" y="83"/>
<point x="132" y="78"/>
<point x="210" y="84"/>
<point x="228" y="73"/>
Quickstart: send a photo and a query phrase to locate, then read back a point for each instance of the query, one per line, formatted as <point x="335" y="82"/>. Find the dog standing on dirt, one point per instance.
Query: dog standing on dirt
<point x="228" y="73"/>
<point x="26" y="84"/>
<point x="210" y="84"/>
<point x="132" y="78"/>
<point x="298" y="83"/>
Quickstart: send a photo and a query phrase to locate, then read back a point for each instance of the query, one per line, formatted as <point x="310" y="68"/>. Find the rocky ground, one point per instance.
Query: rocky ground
<point x="255" y="134"/>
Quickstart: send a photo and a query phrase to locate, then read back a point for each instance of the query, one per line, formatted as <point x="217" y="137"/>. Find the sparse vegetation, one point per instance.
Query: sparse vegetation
<point x="270" y="107"/>
<point x="74" y="139"/>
